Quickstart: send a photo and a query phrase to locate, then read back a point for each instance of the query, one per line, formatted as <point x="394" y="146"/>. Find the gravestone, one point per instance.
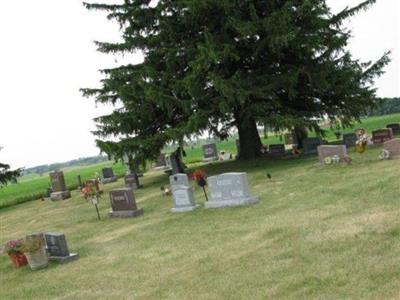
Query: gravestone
<point x="350" y="139"/>
<point x="229" y="189"/>
<point x="382" y="135"/>
<point x="60" y="191"/>
<point x="131" y="181"/>
<point x="210" y="152"/>
<point x="57" y="248"/>
<point x="182" y="193"/>
<point x="325" y="151"/>
<point x="310" y="145"/>
<point x="108" y="176"/>
<point x="395" y="127"/>
<point x="123" y="203"/>
<point x="393" y="146"/>
<point x="290" y="139"/>
<point x="276" y="150"/>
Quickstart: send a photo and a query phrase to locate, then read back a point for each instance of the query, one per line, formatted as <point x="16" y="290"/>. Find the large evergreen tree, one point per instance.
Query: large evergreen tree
<point x="7" y="175"/>
<point x="212" y="65"/>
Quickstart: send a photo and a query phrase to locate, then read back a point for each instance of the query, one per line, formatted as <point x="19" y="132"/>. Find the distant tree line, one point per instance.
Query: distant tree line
<point x="387" y="106"/>
<point x="72" y="163"/>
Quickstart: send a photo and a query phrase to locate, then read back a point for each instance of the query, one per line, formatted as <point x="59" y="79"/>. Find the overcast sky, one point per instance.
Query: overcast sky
<point x="47" y="54"/>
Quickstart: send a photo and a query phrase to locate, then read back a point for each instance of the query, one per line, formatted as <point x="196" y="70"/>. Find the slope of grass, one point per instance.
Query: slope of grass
<point x="318" y="232"/>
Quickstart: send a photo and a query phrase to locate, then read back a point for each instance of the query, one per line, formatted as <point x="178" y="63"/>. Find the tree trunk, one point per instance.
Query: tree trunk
<point x="249" y="139"/>
<point x="301" y="134"/>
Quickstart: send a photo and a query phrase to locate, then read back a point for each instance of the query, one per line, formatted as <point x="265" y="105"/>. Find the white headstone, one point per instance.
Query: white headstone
<point x="229" y="189"/>
<point x="182" y="193"/>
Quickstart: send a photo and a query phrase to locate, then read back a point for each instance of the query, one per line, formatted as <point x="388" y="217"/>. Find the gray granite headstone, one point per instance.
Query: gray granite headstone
<point x="108" y="176"/>
<point x="350" y="139"/>
<point x="325" y="151"/>
<point x="57" y="248"/>
<point x="60" y="191"/>
<point x="210" y="152"/>
<point x="229" y="189"/>
<point x="182" y="193"/>
<point x="310" y="145"/>
<point x="123" y="203"/>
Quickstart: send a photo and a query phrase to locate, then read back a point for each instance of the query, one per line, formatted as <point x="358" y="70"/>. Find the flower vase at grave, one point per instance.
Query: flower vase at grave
<point x="18" y="259"/>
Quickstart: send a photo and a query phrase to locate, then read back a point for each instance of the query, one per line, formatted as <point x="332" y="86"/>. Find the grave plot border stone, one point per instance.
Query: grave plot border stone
<point x="214" y="182"/>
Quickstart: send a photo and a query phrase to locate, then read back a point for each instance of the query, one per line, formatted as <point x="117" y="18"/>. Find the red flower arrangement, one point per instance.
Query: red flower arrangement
<point x="14" y="249"/>
<point x="200" y="177"/>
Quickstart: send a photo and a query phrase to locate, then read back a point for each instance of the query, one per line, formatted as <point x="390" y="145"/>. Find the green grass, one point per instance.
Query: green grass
<point x="33" y="187"/>
<point x="318" y="232"/>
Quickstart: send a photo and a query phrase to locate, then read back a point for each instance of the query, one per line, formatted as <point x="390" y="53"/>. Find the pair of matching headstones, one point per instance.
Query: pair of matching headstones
<point x="228" y="189"/>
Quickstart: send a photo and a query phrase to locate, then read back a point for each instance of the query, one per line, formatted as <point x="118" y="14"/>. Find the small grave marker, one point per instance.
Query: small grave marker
<point x="182" y="193"/>
<point x="108" y="176"/>
<point x="57" y="248"/>
<point x="131" y="181"/>
<point x="210" y="152"/>
<point x="60" y="191"/>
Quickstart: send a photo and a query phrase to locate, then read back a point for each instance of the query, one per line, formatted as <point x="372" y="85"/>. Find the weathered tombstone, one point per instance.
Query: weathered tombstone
<point x="276" y="150"/>
<point x="229" y="189"/>
<point x="123" y="203"/>
<point x="108" y="176"/>
<point x="382" y="135"/>
<point x="325" y="151"/>
<point x="350" y="139"/>
<point x="290" y="139"/>
<point x="395" y="127"/>
<point x="131" y="181"/>
<point x="393" y="146"/>
<point x="182" y="193"/>
<point x="210" y="152"/>
<point x="310" y="145"/>
<point x="57" y="248"/>
<point x="60" y="191"/>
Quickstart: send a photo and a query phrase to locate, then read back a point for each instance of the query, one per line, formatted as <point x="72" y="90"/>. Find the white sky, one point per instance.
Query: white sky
<point x="47" y="54"/>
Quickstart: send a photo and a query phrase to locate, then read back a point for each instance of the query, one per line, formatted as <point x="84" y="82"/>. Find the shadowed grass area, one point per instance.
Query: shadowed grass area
<point x="318" y="232"/>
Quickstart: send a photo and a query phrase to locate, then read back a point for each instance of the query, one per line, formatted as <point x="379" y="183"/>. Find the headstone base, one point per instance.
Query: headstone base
<point x="57" y="196"/>
<point x="64" y="259"/>
<point x="109" y="180"/>
<point x="126" y="213"/>
<point x="184" y="208"/>
<point x="227" y="203"/>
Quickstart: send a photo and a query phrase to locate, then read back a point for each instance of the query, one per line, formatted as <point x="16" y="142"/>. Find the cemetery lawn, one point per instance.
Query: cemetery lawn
<point x="318" y="232"/>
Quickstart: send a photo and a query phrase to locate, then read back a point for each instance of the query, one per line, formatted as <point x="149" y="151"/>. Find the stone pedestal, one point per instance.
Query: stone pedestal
<point x="57" y="196"/>
<point x="229" y="189"/>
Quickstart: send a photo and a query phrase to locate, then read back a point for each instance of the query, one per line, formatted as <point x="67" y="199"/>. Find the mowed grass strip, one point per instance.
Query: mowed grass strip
<point x="318" y="232"/>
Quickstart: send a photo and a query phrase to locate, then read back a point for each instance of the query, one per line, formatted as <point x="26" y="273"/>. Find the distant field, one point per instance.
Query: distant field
<point x="33" y="187"/>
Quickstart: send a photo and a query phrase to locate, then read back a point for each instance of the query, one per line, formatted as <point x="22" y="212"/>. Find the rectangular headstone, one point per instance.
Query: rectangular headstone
<point x="349" y="139"/>
<point x="130" y="181"/>
<point x="393" y="146"/>
<point x="108" y="176"/>
<point x="177" y="180"/>
<point x="182" y="193"/>
<point x="310" y="145"/>
<point x="277" y="149"/>
<point x="60" y="191"/>
<point x="229" y="189"/>
<point x="210" y="152"/>
<point x="395" y="128"/>
<point x="382" y="135"/>
<point x="331" y="150"/>
<point x="123" y="203"/>
<point x="57" y="247"/>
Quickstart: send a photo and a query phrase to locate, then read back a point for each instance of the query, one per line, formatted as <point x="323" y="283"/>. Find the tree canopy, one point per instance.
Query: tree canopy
<point x="214" y="65"/>
<point x="7" y="175"/>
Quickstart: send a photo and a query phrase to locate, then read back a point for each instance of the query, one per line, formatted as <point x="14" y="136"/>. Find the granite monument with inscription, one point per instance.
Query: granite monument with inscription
<point x="123" y="203"/>
<point x="60" y="191"/>
<point x="131" y="181"/>
<point x="57" y="248"/>
<point x="108" y="176"/>
<point x="182" y="193"/>
<point x="229" y="189"/>
<point x="382" y="135"/>
<point x="210" y="152"/>
<point x="325" y="151"/>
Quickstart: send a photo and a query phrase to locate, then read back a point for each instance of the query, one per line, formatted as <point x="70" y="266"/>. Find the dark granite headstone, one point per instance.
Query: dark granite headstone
<point x="277" y="149"/>
<point x="176" y="163"/>
<point x="59" y="188"/>
<point x="349" y="139"/>
<point x="123" y="203"/>
<point x="108" y="176"/>
<point x="382" y="135"/>
<point x="210" y="152"/>
<point x="310" y="145"/>
<point x="395" y="127"/>
<point x="57" y="248"/>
